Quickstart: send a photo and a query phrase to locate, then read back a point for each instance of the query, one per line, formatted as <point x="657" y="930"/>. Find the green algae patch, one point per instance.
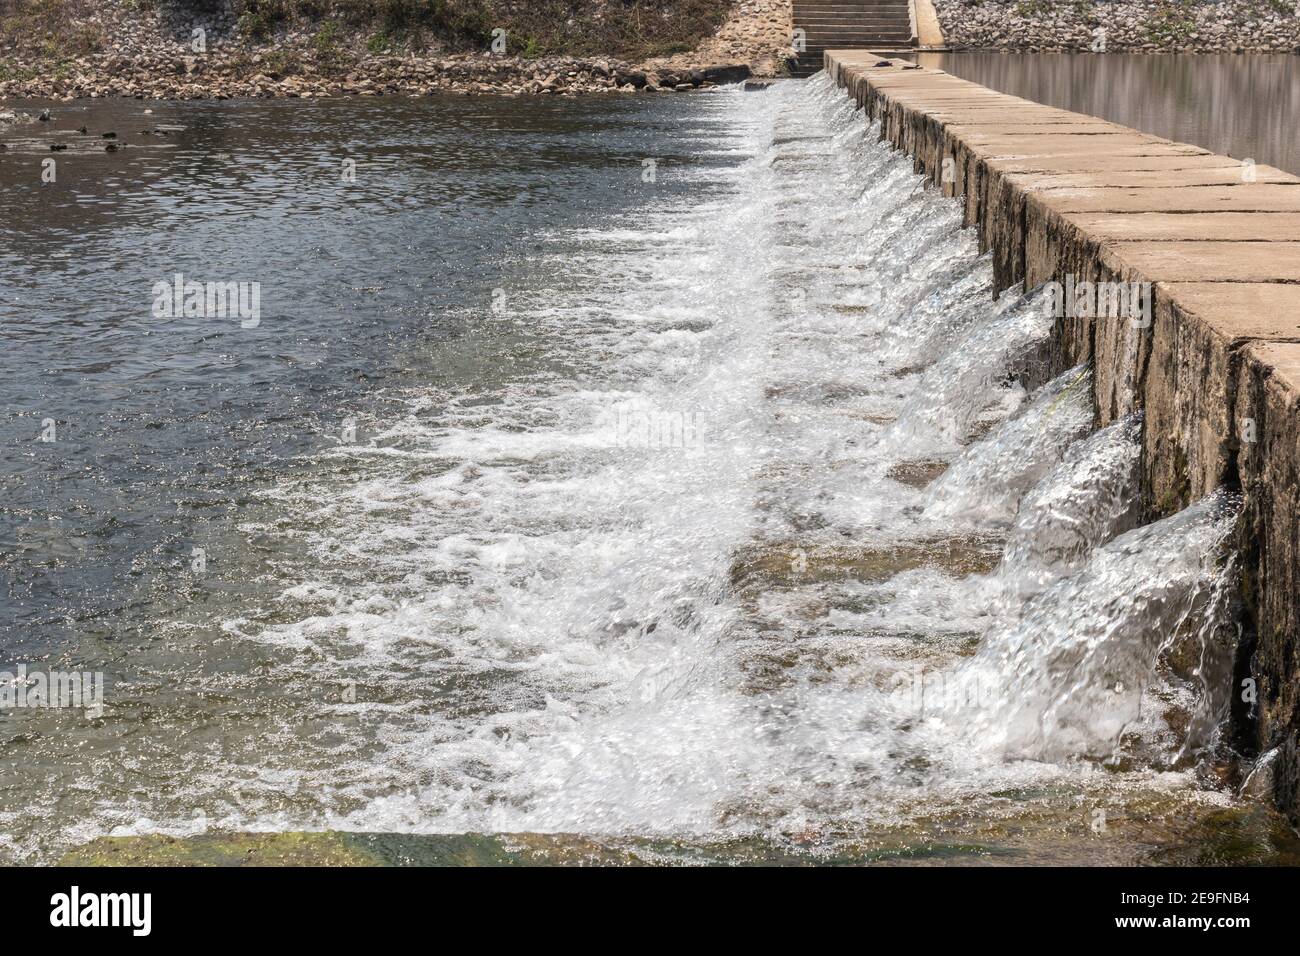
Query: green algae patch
<point x="787" y="565"/>
<point x="226" y="849"/>
<point x="1031" y="827"/>
<point x="918" y="472"/>
<point x="330" y="848"/>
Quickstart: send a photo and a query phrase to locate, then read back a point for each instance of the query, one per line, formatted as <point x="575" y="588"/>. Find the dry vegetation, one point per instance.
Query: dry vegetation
<point x="627" y="29"/>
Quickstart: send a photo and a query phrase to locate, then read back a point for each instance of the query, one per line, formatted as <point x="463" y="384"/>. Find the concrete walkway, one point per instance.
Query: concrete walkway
<point x="1059" y="196"/>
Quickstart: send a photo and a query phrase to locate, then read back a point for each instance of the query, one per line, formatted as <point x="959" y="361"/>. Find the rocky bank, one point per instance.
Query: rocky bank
<point x="133" y="48"/>
<point x="1135" y="26"/>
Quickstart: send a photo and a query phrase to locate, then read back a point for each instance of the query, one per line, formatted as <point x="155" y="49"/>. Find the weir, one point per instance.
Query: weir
<point x="732" y="541"/>
<point x="1060" y="197"/>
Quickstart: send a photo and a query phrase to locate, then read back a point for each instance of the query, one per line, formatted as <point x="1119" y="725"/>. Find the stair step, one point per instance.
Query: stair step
<point x="851" y="24"/>
<point x="868" y="12"/>
<point x="849" y="7"/>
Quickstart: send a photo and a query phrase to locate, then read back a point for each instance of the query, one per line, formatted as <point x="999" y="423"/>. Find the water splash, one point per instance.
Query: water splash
<point x="984" y="486"/>
<point x="1081" y="504"/>
<point x="1068" y="677"/>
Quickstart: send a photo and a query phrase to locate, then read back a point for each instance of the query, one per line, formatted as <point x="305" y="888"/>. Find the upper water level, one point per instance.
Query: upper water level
<point x="1236" y="106"/>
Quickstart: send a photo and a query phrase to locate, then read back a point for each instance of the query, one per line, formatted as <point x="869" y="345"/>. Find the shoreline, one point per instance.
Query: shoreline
<point x="467" y="74"/>
<point x="136" y="49"/>
<point x="458" y="75"/>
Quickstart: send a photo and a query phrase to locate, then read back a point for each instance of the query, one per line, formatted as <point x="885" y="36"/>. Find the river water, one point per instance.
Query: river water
<point x="655" y="471"/>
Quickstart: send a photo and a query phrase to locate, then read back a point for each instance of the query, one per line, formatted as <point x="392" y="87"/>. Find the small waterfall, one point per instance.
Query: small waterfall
<point x="1069" y="676"/>
<point x="976" y="382"/>
<point x="1082" y="503"/>
<point x="984" y="486"/>
<point x="701" y="638"/>
<point x="914" y="334"/>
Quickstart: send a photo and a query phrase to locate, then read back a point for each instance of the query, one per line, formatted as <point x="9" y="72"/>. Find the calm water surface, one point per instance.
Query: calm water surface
<point x="1239" y="106"/>
<point x="163" y="425"/>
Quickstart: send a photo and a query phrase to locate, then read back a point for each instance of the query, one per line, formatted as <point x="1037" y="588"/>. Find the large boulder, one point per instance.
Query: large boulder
<point x="726" y="73"/>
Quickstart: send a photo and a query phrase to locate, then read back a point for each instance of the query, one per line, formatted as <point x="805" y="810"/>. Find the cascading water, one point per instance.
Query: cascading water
<point x="1088" y="499"/>
<point x="785" y="537"/>
<point x="1070" y="674"/>
<point x="984" y="485"/>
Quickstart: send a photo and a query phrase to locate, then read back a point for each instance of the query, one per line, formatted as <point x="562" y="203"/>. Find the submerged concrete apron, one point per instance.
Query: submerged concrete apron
<point x="1054" y="195"/>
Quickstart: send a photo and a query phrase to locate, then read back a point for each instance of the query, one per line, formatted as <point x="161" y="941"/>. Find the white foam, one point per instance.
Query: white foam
<point x="531" y="578"/>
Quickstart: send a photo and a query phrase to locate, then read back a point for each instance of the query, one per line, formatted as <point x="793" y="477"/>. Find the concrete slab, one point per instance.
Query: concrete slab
<point x="1255" y="197"/>
<point x="945" y="94"/>
<point x="1157" y="179"/>
<point x="1239" y="311"/>
<point x="982" y="130"/>
<point x="1175" y="227"/>
<point x="1207" y="261"/>
<point x="1106" y="137"/>
<point x="1282" y="362"/>
<point x="1140" y="159"/>
<point x="1001" y="113"/>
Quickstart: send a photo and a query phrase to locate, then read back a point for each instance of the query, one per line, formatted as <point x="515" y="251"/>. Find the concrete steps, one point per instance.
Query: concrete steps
<point x="846" y="24"/>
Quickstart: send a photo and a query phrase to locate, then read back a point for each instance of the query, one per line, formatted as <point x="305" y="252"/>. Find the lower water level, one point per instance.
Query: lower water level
<point x="1229" y="104"/>
<point x="658" y="474"/>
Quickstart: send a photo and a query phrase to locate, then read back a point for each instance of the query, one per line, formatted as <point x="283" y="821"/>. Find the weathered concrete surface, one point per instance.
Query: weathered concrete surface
<point x="1268" y="401"/>
<point x="1227" y="226"/>
<point x="928" y="32"/>
<point x="1058" y="196"/>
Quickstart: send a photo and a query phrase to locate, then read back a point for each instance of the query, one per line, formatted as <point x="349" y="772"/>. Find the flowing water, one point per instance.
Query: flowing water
<point x="707" y="508"/>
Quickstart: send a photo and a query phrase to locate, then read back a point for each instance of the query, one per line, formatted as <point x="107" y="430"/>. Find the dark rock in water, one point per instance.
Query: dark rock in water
<point x="727" y="73"/>
<point x="697" y="77"/>
<point x="756" y="86"/>
<point x="635" y="77"/>
<point x="110" y="147"/>
<point x="45" y="116"/>
<point x="917" y="472"/>
<point x="109" y="136"/>
<point x="81" y="130"/>
<point x="3" y="147"/>
<point x="58" y="147"/>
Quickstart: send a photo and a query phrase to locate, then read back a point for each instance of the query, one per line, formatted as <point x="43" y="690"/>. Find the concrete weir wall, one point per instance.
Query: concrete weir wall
<point x="1059" y="196"/>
